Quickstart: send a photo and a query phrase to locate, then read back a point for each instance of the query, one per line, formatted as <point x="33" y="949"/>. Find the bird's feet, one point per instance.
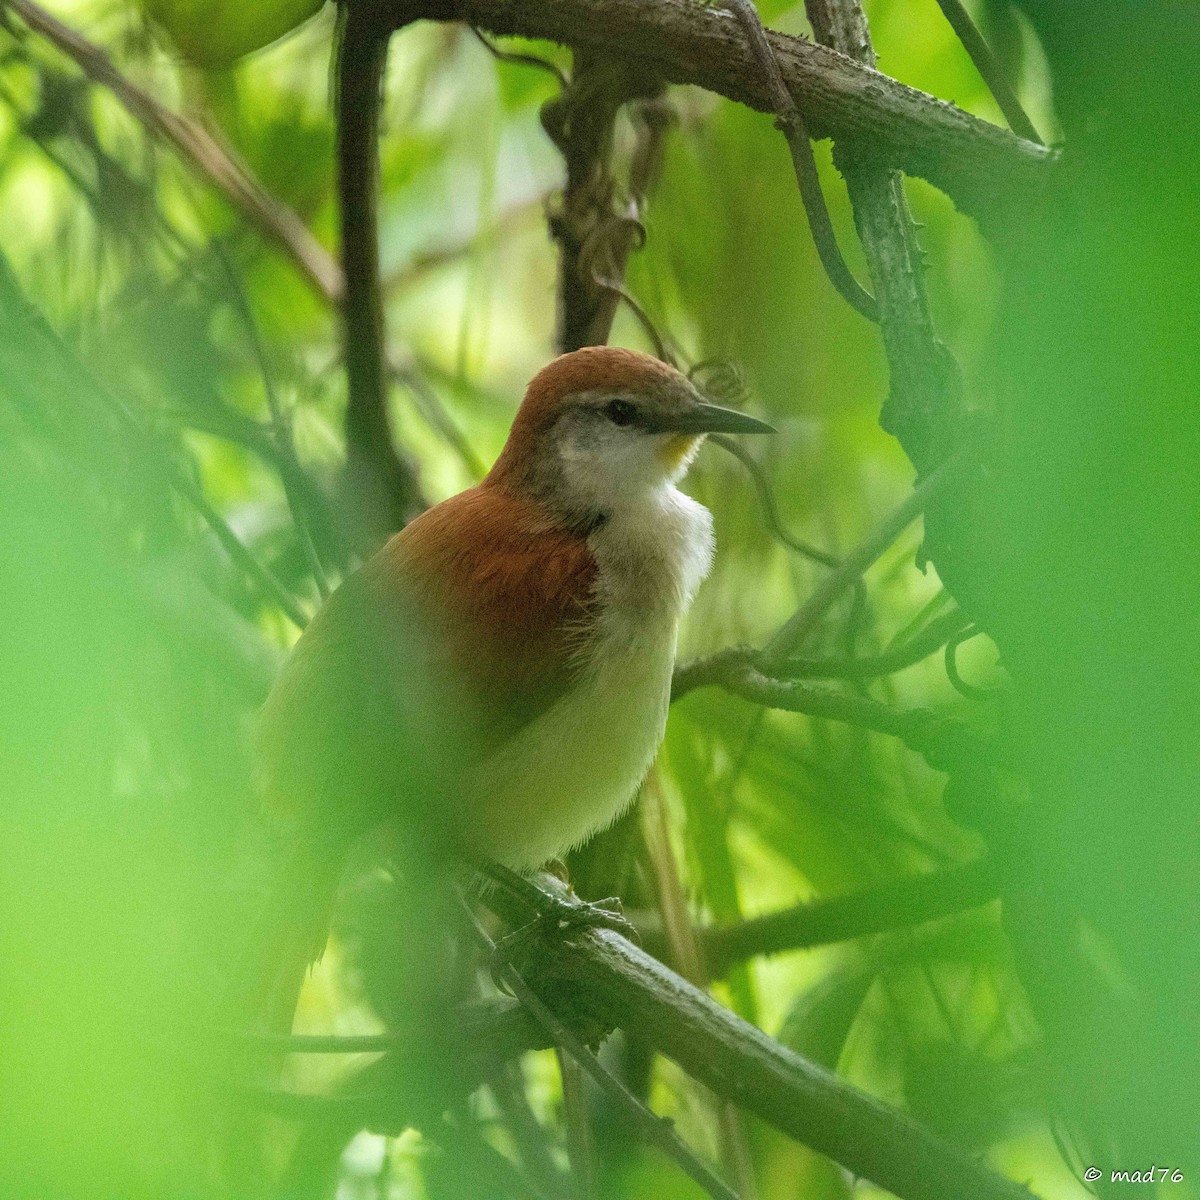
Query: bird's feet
<point x="558" y="915"/>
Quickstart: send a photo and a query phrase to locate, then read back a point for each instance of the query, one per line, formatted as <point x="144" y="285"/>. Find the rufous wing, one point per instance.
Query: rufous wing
<point x="507" y="596"/>
<point x="465" y="627"/>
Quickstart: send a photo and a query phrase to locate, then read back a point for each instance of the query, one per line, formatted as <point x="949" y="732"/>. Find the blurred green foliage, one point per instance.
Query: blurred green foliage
<point x="216" y="35"/>
<point x="189" y="359"/>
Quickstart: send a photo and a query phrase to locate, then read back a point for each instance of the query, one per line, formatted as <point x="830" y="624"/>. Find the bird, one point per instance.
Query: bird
<point x="492" y="685"/>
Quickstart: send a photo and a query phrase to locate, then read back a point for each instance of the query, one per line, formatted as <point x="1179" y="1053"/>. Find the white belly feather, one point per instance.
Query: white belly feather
<point x="576" y="768"/>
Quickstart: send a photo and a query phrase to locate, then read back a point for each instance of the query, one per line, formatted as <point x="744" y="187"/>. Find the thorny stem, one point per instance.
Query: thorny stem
<point x="924" y="405"/>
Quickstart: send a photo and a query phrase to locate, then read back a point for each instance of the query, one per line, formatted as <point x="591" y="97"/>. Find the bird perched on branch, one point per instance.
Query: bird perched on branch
<point x="493" y="684"/>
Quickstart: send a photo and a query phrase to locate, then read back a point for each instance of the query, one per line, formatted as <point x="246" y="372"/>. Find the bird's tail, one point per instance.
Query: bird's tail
<point x="289" y="936"/>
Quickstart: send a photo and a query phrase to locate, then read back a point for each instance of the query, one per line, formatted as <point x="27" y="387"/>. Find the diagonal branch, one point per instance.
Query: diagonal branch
<point x="600" y="974"/>
<point x="859" y="914"/>
<point x="658" y="1131"/>
<point x="802" y="623"/>
<point x="987" y="171"/>
<point x="199" y="149"/>
<point x="989" y="69"/>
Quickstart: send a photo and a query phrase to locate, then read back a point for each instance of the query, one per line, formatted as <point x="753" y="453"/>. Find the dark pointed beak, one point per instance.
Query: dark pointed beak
<point x="707" y="418"/>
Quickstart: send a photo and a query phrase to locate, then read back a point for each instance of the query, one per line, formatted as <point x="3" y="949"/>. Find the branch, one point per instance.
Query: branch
<point x="987" y="171"/>
<point x="199" y="149"/>
<point x="932" y="638"/>
<point x="924" y="404"/>
<point x="603" y="975"/>
<point x="945" y="742"/>
<point x="594" y="232"/>
<point x="383" y="483"/>
<point x="766" y="500"/>
<point x="860" y="914"/>
<point x="806" y="619"/>
<point x="658" y="1131"/>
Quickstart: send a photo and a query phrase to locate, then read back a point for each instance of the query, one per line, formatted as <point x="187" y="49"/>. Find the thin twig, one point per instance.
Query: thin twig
<point x="520" y="60"/>
<point x="412" y="376"/>
<point x="791" y="122"/>
<point x="860" y="914"/>
<point x="989" y="69"/>
<point x="766" y="499"/>
<point x="403" y="277"/>
<point x="240" y="555"/>
<point x="581" y="1142"/>
<point x="532" y="1141"/>
<point x="199" y="148"/>
<point x="280" y="423"/>
<point x="682" y="941"/>
<point x="945" y="742"/>
<point x="957" y="682"/>
<point x="658" y="1131"/>
<point x="798" y="628"/>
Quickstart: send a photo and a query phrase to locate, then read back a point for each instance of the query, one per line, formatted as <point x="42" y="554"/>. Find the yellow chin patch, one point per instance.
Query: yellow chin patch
<point x="675" y="451"/>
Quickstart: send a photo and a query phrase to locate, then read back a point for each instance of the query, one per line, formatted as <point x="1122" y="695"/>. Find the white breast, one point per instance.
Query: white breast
<point x="576" y="768"/>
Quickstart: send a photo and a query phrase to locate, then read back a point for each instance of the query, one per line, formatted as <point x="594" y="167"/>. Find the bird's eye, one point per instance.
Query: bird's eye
<point x="620" y="412"/>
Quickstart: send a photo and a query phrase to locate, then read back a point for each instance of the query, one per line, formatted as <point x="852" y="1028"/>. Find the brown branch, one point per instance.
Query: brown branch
<point x="383" y="483"/>
<point x="657" y="1131"/>
<point x="987" y="171"/>
<point x="945" y="742"/>
<point x="199" y="148"/>
<point x="602" y="975"/>
<point x="594" y="231"/>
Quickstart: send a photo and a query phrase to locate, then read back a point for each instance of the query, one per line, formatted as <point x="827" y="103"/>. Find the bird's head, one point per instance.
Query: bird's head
<point x="601" y="427"/>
